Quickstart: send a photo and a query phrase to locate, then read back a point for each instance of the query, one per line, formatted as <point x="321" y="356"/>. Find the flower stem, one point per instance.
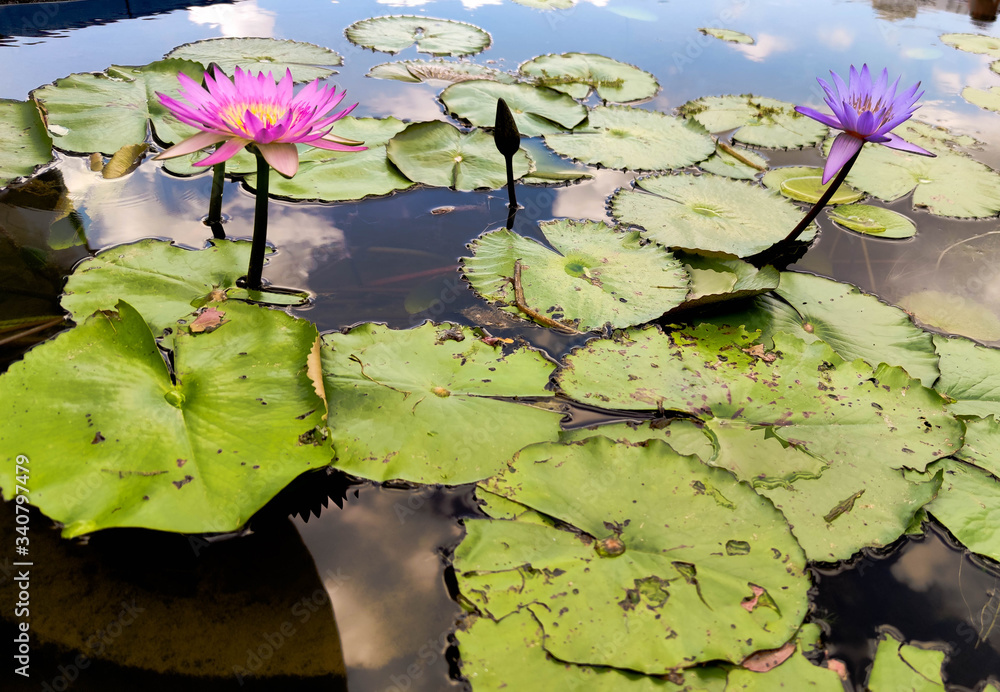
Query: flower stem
<point x="259" y="246"/>
<point x="215" y="200"/>
<point x="773" y="253"/>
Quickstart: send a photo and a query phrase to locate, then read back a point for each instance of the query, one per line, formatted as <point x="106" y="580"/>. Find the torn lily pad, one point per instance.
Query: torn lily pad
<point x="683" y="435"/>
<point x="441" y="70"/>
<point x="968" y="505"/>
<point x="758" y="121"/>
<point x="577" y="73"/>
<point x="537" y="110"/>
<point x="437" y="153"/>
<point x="804" y="184"/>
<point x="262" y="55"/>
<point x="456" y="393"/>
<point x="982" y="444"/>
<point x="877" y="222"/>
<point x="435" y="36"/>
<point x="636" y="582"/>
<point x="716" y="279"/>
<point x="728" y="35"/>
<point x="900" y="667"/>
<point x="593" y="276"/>
<point x="970" y="374"/>
<point x="633" y="139"/>
<point x="706" y="213"/>
<point x="219" y="436"/>
<point x="26" y="143"/>
<point x="729" y="162"/>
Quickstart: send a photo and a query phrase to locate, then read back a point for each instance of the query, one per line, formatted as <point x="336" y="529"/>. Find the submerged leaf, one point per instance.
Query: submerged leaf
<point x="874" y="221"/>
<point x="804" y="184"/>
<point x="435" y="36"/>
<point x="954" y="314"/>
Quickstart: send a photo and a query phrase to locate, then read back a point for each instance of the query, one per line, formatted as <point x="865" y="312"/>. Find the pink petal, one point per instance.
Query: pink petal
<point x="844" y="147"/>
<point x="191" y="144"/>
<point x="816" y="115"/>
<point x="897" y="142"/>
<point x="228" y="150"/>
<point x="282" y="156"/>
<point x="330" y="143"/>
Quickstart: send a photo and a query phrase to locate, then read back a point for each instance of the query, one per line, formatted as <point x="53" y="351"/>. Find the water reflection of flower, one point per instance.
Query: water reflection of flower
<point x="866" y="111"/>
<point x="255" y="110"/>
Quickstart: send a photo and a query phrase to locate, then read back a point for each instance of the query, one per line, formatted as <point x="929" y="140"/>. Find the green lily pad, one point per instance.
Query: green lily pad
<point x="949" y="184"/>
<point x="634" y="139"/>
<point x="836" y="409"/>
<point x="970" y="374"/>
<point x="954" y="314"/>
<point x="509" y="655"/>
<point x="550" y="168"/>
<point x="593" y="275"/>
<point x="803" y="184"/>
<point x="988" y="99"/>
<point x="26" y="143"/>
<point x="762" y="122"/>
<point x="685" y="436"/>
<point x="116" y="439"/>
<point x="714" y="279"/>
<point x="968" y="505"/>
<point x="577" y="73"/>
<point x="796" y="672"/>
<point x="874" y="221"/>
<point x="852" y="323"/>
<point x="706" y="213"/>
<point x="161" y="280"/>
<point x="982" y="444"/>
<point x="436" y="153"/>
<point x="900" y="667"/>
<point x="725" y="164"/>
<point x="434" y="36"/>
<point x="974" y="43"/>
<point x="636" y="582"/>
<point x="453" y="390"/>
<point x="728" y="35"/>
<point x="443" y="70"/>
<point x="79" y="107"/>
<point x="331" y="176"/>
<point x="262" y="55"/>
<point x="537" y="110"/>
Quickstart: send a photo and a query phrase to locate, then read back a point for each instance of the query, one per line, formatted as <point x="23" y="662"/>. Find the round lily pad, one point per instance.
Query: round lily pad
<point x="436" y="153"/>
<point x="804" y="184"/>
<point x="456" y="393"/>
<point x="307" y="61"/>
<point x="761" y="122"/>
<point x="216" y="437"/>
<point x="26" y="144"/>
<point x="954" y="314"/>
<point x="634" y="581"/>
<point x="577" y="73"/>
<point x="974" y="43"/>
<point x="434" y="36"/>
<point x="443" y="70"/>
<point x="706" y="213"/>
<point x="536" y="110"/>
<point x="728" y="35"/>
<point x="593" y="276"/>
<point x="634" y="139"/>
<point x="874" y="221"/>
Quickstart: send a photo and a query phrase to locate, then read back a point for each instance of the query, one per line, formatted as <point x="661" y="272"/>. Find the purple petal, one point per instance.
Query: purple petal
<point x="866" y="124"/>
<point x="828" y="120"/>
<point x="842" y="90"/>
<point x="844" y="147"/>
<point x="283" y="157"/>
<point x="897" y="142"/>
<point x="883" y="82"/>
<point x="228" y="150"/>
<point x="191" y="144"/>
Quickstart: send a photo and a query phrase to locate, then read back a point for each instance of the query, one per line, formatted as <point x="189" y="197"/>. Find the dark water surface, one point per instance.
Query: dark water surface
<point x="381" y="559"/>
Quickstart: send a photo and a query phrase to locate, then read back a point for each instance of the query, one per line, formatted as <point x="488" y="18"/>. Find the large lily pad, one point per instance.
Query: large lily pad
<point x="968" y="505"/>
<point x="537" y="110"/>
<point x="115" y="439"/>
<point x="853" y="323"/>
<point x="761" y="121"/>
<point x="434" y="36"/>
<point x="838" y="410"/>
<point x="80" y="107"/>
<point x="949" y="184"/>
<point x="162" y="281"/>
<point x="262" y="55"/>
<point x="436" y="153"/>
<point x="877" y="222"/>
<point x="593" y="276"/>
<point x="637" y="582"/>
<point x="970" y="374"/>
<point x="431" y="404"/>
<point x="442" y="70"/>
<point x="577" y="73"/>
<point x="954" y="313"/>
<point x="338" y="176"/>
<point x="706" y="213"/>
<point x="633" y="138"/>
<point x="900" y="667"/>
<point x="804" y="184"/>
<point x="26" y="144"/>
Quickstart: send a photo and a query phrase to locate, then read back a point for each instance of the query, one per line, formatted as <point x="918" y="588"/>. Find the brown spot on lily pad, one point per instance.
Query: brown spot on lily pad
<point x="181" y="462"/>
<point x="97" y="438"/>
<point x="208" y="320"/>
<point x="181" y="483"/>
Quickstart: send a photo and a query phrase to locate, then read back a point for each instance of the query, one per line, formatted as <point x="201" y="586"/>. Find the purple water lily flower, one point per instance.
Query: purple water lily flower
<point x="254" y="110"/>
<point x="866" y="111"/>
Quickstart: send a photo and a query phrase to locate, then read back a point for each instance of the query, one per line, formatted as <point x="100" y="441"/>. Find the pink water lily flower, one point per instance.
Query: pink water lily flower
<point x="866" y="111"/>
<point x="254" y="110"/>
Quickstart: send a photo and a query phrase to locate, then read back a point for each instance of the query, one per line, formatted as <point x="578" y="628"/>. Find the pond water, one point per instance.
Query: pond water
<point x="382" y="559"/>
